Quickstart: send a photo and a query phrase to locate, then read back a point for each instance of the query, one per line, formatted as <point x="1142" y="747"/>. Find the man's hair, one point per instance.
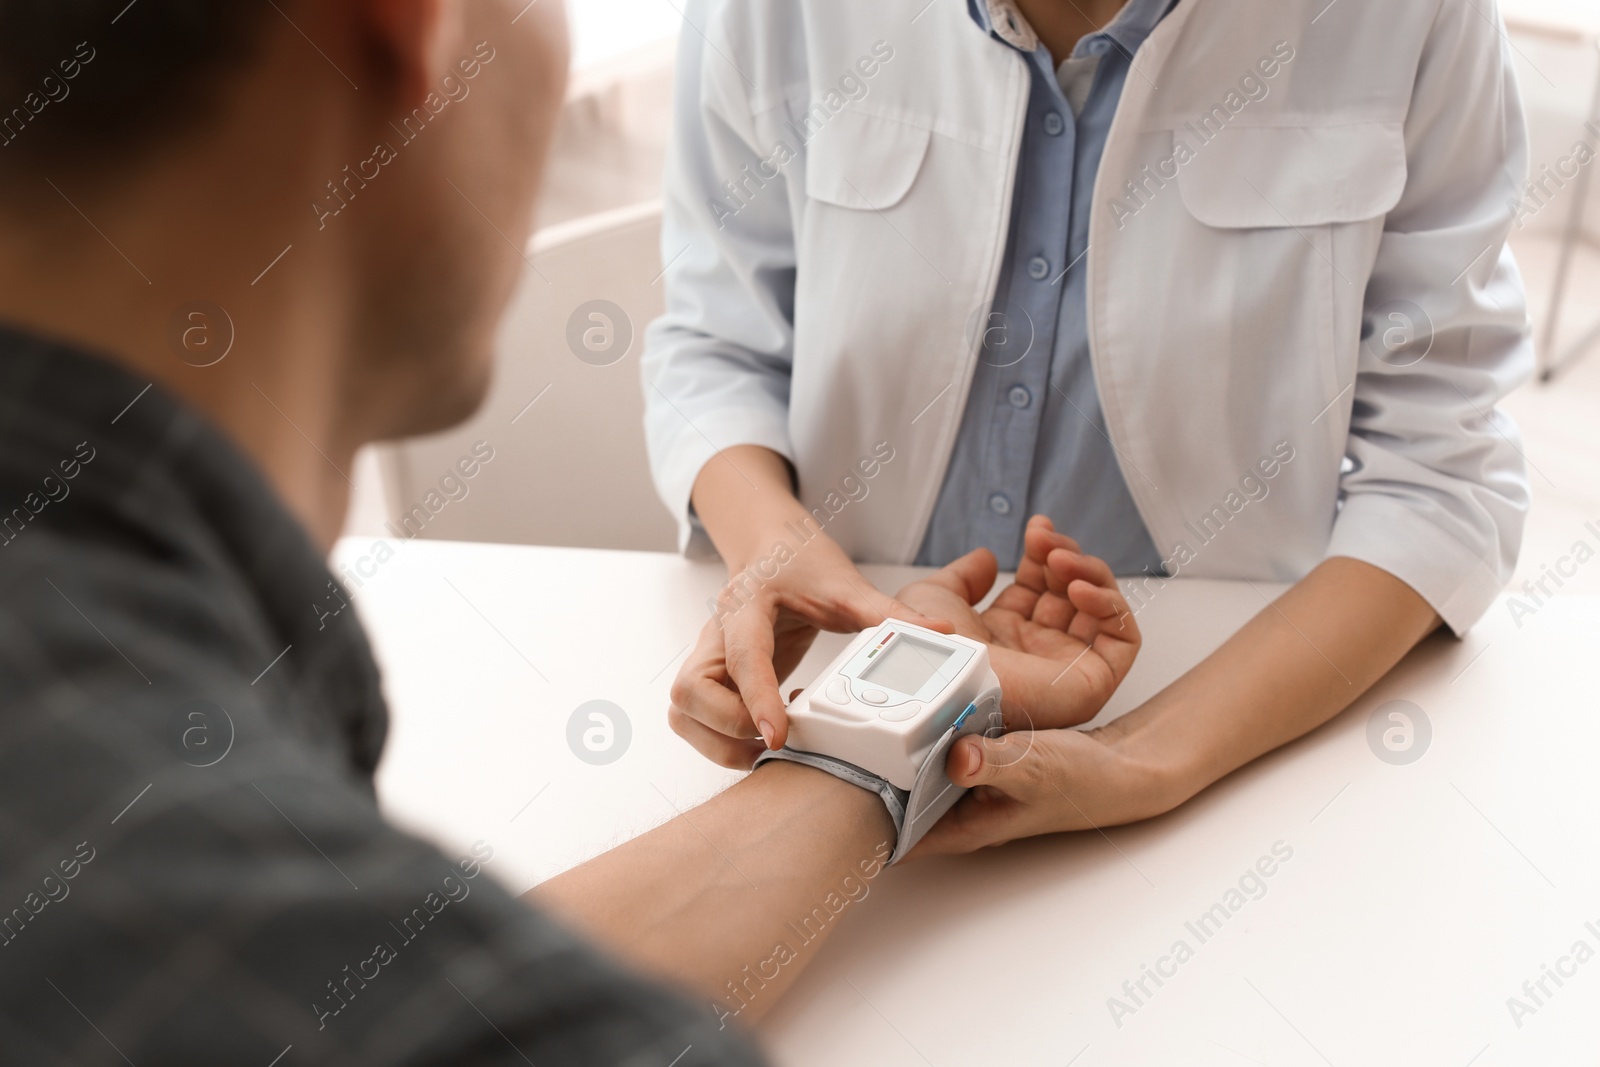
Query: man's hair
<point x="91" y="78"/>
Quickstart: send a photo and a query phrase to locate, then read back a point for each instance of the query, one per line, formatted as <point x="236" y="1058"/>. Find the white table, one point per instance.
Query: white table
<point x="1417" y="900"/>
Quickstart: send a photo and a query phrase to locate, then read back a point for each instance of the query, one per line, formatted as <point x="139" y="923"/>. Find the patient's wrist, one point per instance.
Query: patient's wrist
<point x="828" y="796"/>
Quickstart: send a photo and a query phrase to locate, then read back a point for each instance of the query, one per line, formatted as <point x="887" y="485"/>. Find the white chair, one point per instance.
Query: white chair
<point x="569" y="465"/>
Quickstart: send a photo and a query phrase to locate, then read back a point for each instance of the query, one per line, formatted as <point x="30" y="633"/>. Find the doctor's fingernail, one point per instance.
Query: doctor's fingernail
<point x="766" y="731"/>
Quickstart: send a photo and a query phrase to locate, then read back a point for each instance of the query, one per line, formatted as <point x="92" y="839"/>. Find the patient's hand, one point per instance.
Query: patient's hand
<point x="1062" y="637"/>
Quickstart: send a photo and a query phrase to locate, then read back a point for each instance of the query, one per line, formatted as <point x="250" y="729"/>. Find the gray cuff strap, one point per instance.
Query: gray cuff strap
<point x="894" y="799"/>
<point x="932" y="794"/>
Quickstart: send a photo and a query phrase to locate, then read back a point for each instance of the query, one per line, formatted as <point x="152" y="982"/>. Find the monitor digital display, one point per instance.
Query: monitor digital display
<point x="906" y="665"/>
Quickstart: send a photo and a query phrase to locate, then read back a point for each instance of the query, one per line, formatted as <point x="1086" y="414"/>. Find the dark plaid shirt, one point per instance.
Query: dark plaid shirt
<point x="193" y="868"/>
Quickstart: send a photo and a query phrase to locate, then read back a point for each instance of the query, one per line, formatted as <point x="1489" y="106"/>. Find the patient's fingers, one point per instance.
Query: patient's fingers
<point x="969" y="577"/>
<point x="1045" y="694"/>
<point x="1041" y="535"/>
<point x="1038" y="541"/>
<point x="1107" y="605"/>
<point x="1116" y="637"/>
<point x="1017" y="598"/>
<point x="1065" y="566"/>
<point x="1087" y="582"/>
<point x="1031" y="595"/>
<point x="1054" y="609"/>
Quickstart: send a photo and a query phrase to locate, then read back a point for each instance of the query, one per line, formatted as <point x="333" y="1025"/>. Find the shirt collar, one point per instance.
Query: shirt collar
<point x="1135" y="22"/>
<point x="1002" y="19"/>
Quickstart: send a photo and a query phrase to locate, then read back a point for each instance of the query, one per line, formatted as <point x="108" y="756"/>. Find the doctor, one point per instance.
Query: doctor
<point x="1217" y="287"/>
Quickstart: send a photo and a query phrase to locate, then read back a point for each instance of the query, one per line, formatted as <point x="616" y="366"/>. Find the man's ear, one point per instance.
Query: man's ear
<point x="413" y="42"/>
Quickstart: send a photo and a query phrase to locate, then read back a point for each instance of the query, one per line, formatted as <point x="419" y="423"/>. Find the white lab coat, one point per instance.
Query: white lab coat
<point x="835" y="302"/>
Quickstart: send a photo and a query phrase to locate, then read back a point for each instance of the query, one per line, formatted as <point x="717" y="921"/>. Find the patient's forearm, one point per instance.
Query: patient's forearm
<point x="1294" y="666"/>
<point x="710" y="899"/>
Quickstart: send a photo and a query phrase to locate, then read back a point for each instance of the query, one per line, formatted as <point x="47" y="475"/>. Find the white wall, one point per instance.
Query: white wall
<point x="1558" y="85"/>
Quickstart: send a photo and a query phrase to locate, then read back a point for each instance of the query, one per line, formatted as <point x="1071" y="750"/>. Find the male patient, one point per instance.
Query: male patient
<point x="239" y="239"/>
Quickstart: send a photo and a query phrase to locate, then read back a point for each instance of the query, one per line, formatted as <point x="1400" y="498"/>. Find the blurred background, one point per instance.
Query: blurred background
<point x="567" y="405"/>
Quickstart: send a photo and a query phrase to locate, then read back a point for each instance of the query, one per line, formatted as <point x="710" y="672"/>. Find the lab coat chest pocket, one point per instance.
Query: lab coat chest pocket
<point x="865" y="239"/>
<point x="1295" y="176"/>
<point x="861" y="161"/>
<point x="1290" y="218"/>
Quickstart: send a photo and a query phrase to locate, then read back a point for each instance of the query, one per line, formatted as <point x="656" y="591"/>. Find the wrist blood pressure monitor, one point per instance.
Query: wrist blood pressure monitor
<point x="885" y="712"/>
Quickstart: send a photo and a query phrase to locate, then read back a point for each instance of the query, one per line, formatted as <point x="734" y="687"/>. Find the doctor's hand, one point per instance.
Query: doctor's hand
<point x="1041" y="781"/>
<point x="1061" y="637"/>
<point x="725" y="698"/>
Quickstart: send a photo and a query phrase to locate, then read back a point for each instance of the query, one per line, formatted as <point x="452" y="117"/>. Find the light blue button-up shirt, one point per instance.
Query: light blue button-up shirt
<point x="1032" y="438"/>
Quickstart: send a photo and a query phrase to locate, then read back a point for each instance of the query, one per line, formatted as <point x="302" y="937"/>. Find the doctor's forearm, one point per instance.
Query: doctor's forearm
<point x="731" y="899"/>
<point x="742" y="495"/>
<point x="1297" y="664"/>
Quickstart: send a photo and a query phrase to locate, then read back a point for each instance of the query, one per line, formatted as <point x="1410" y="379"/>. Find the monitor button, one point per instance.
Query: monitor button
<point x="875" y="696"/>
<point x="839" y="690"/>
<point x="901" y="712"/>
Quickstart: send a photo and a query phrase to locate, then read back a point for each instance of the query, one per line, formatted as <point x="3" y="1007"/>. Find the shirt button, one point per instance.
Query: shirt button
<point x="1053" y="124"/>
<point x="999" y="504"/>
<point x="1100" y="46"/>
<point x="1038" y="268"/>
<point x="1019" y="396"/>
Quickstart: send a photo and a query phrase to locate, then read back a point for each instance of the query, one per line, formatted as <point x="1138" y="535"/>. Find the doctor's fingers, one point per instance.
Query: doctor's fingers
<point x="980" y="819"/>
<point x="717" y="747"/>
<point x="748" y="642"/>
<point x="1014" y="803"/>
<point x="702" y="689"/>
<point x="859" y="605"/>
<point x="1067" y="779"/>
<point x="709" y="700"/>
